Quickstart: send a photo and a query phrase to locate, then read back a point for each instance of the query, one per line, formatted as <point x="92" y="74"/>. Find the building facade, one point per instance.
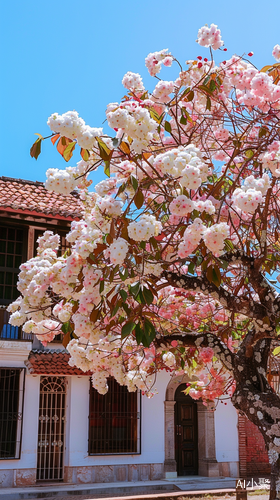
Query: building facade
<point x="53" y="425"/>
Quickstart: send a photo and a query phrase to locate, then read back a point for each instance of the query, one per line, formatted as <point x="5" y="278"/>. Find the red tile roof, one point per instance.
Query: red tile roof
<point x="51" y="362"/>
<point x="32" y="198"/>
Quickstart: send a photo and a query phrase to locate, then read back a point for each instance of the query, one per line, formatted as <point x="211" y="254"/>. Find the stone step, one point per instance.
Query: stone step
<point x="146" y="489"/>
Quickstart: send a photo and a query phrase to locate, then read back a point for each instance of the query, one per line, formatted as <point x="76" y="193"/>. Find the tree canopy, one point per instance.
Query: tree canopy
<point x="174" y="260"/>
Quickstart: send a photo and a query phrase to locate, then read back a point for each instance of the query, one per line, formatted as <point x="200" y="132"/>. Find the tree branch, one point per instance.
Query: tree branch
<point x="242" y="305"/>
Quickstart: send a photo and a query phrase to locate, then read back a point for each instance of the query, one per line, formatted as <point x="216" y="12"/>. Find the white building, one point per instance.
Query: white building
<point x="53" y="425"/>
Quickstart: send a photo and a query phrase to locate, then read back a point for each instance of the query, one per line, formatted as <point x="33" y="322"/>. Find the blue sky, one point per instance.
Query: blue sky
<point x="62" y="55"/>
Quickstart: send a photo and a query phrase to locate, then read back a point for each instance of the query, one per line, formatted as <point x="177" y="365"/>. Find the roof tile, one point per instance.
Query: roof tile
<point x="51" y="362"/>
<point x="20" y="194"/>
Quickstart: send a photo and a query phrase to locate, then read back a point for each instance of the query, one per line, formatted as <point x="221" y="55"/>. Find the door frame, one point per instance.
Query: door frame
<point x="207" y="462"/>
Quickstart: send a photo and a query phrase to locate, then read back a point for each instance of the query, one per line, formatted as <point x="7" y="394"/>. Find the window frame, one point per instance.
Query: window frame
<point x="24" y="229"/>
<point x="139" y="425"/>
<point x="20" y="411"/>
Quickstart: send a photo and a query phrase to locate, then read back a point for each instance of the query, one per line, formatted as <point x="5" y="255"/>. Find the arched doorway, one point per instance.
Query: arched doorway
<point x="186" y="433"/>
<point x="206" y="449"/>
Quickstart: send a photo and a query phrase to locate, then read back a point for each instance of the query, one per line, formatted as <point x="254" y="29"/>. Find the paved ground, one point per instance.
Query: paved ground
<point x="261" y="495"/>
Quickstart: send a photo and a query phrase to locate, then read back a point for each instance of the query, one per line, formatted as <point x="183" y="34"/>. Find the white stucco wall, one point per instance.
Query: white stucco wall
<point x="152" y="427"/>
<point x="226" y="433"/>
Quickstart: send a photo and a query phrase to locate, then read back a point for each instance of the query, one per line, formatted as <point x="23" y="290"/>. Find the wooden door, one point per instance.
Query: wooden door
<point x="186" y="433"/>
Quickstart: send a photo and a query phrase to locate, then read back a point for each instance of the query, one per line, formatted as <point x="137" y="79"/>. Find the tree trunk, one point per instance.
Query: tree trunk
<point x="255" y="397"/>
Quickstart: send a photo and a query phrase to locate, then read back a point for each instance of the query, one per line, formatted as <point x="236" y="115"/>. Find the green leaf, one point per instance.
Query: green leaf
<point x="191" y="267"/>
<point x="140" y="298"/>
<point x="148" y="296"/>
<point x="101" y="286"/>
<point x="208" y="103"/>
<point x="123" y="275"/>
<point x="84" y="154"/>
<point x="205" y="89"/>
<point x="35" y="149"/>
<point x="276" y="351"/>
<point x="127" y="329"/>
<point x="167" y="127"/>
<point x="249" y="153"/>
<point x="123" y="295"/>
<point x="107" y="168"/>
<point x="187" y="390"/>
<point x="139" y="199"/>
<point x="68" y="151"/>
<point x="190" y="96"/>
<point x="134" y="182"/>
<point x="229" y="245"/>
<point x="134" y="289"/>
<point x="66" y="327"/>
<point x="155" y="116"/>
<point x="138" y="333"/>
<point x="183" y="120"/>
<point x="186" y="91"/>
<point x="103" y="146"/>
<point x="149" y="333"/>
<point x="216" y="277"/>
<point x="116" y="308"/>
<point x="212" y="85"/>
<point x="209" y="273"/>
<point x="263" y="131"/>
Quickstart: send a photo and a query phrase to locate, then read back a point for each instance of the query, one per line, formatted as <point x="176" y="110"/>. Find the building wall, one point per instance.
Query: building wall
<point x="226" y="437"/>
<point x="252" y="452"/>
<point x="81" y="468"/>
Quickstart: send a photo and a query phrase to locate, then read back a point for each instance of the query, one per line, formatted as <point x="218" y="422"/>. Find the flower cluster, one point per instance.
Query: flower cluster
<point x="271" y="159"/>
<point x="214" y="238"/>
<point x="143" y="229"/>
<point x="70" y="125"/>
<point x="133" y="120"/>
<point x="133" y="82"/>
<point x="210" y="37"/>
<point x="117" y="251"/>
<point x="155" y="59"/>
<point x="182" y="206"/>
<point x="184" y="163"/>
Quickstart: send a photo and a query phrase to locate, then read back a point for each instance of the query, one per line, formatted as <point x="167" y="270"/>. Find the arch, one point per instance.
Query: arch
<point x="207" y="463"/>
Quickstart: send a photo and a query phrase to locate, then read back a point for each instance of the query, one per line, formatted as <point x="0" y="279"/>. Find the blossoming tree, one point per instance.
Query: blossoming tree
<point x="171" y="263"/>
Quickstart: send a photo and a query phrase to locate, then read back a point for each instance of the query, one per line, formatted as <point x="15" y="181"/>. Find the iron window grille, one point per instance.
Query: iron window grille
<point x="12" y="253"/>
<point x="11" y="410"/>
<point x="114" y="421"/>
<point x="51" y="430"/>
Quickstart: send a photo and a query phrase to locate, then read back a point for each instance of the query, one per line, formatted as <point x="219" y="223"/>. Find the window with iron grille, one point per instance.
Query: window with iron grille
<point x="13" y="243"/>
<point x="114" y="421"/>
<point x="12" y="254"/>
<point x="11" y="408"/>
